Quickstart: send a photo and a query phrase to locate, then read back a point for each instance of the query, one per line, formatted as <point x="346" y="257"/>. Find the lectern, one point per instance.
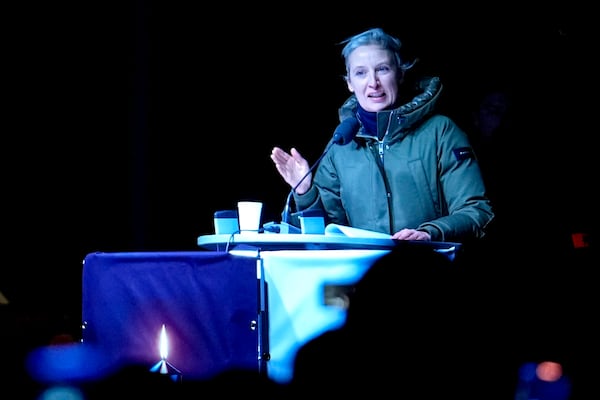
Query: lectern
<point x="246" y="301"/>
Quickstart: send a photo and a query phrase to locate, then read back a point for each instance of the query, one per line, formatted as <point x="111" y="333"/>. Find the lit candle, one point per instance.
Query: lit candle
<point x="163" y="366"/>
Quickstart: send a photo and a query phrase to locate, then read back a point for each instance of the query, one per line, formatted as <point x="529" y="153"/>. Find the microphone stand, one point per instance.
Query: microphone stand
<point x="286" y="214"/>
<point x="343" y="134"/>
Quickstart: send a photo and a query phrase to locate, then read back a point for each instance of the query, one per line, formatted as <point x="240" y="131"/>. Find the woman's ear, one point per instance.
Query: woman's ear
<point x="349" y="85"/>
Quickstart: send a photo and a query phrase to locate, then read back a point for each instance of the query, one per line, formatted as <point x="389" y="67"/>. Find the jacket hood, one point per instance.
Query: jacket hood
<point x="402" y="118"/>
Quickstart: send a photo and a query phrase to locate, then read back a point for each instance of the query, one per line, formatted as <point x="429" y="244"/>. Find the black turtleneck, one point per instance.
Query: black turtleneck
<point x="368" y="120"/>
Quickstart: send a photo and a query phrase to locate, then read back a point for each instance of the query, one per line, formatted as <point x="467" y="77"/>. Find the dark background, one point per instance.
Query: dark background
<point x="127" y="124"/>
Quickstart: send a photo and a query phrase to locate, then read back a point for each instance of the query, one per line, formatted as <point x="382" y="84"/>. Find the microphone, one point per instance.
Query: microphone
<point x="343" y="134"/>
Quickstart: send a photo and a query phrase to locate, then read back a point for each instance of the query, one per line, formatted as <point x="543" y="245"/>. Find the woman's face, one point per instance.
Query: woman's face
<point x="373" y="77"/>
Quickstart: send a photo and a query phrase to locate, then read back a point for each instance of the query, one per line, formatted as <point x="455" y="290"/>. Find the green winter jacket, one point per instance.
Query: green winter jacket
<point x="422" y="174"/>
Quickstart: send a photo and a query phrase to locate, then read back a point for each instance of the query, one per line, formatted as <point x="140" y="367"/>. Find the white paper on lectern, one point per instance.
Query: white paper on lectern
<point x="343" y="230"/>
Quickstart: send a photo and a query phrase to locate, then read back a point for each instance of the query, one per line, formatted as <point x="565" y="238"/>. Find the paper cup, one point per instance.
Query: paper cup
<point x="226" y="222"/>
<point x="249" y="214"/>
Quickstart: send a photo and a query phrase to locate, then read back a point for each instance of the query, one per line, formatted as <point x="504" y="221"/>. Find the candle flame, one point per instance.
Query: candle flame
<point x="164" y="343"/>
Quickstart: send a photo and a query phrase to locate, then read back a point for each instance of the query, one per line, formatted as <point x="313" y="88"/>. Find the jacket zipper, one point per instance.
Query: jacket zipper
<point x="380" y="151"/>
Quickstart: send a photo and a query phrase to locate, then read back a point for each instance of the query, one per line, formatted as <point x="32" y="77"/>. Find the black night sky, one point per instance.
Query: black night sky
<point x="129" y="123"/>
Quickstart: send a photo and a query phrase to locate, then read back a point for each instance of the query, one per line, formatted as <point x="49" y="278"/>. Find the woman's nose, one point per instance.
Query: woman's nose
<point x="373" y="80"/>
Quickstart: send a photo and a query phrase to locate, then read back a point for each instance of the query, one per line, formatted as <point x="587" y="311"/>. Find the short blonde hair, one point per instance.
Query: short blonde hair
<point x="375" y="36"/>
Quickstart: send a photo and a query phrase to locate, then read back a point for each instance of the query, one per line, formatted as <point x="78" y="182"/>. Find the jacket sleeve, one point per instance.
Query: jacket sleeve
<point x="469" y="211"/>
